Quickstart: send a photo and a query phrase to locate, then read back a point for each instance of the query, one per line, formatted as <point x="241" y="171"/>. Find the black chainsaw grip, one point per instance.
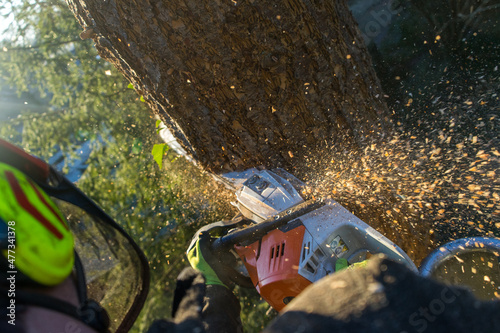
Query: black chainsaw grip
<point x="253" y="233"/>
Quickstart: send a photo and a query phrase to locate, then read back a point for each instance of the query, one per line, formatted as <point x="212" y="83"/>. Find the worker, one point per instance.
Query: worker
<point x="66" y="266"/>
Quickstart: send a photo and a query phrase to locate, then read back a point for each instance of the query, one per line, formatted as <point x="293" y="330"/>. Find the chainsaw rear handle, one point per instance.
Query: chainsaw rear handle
<point x="253" y="233"/>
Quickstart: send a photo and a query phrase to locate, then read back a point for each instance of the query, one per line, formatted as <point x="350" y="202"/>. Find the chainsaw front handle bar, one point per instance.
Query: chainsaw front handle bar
<point x="255" y="232"/>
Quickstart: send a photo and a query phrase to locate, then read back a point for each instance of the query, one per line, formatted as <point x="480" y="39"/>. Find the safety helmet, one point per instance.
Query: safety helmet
<point x="49" y="230"/>
<point x="43" y="242"/>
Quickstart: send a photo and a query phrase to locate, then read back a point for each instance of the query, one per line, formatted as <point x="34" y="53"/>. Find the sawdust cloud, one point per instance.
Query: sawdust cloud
<point x="429" y="185"/>
<point x="419" y="194"/>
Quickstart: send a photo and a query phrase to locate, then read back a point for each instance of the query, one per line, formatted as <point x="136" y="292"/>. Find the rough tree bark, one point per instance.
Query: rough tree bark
<point x="244" y="83"/>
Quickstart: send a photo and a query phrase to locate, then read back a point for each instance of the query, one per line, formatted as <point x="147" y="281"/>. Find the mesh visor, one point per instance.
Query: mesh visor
<point x="114" y="270"/>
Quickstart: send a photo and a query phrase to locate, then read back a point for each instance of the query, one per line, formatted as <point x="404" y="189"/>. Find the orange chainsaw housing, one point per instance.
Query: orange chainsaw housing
<point x="273" y="263"/>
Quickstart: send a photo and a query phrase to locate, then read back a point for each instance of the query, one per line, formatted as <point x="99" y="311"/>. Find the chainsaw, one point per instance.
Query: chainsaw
<point x="284" y="243"/>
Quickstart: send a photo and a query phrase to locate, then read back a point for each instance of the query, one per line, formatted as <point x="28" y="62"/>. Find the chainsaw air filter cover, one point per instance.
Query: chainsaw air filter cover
<point x="265" y="194"/>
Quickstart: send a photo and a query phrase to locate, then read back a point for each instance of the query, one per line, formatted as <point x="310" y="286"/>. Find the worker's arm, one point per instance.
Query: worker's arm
<point x="199" y="307"/>
<point x="221" y="309"/>
<point x="203" y="300"/>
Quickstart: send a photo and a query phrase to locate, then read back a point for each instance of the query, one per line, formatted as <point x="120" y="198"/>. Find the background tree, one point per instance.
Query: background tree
<point x="244" y="83"/>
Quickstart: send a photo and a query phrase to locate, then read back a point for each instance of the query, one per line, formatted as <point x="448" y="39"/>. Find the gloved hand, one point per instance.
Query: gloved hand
<point x="217" y="268"/>
<point x="200" y="257"/>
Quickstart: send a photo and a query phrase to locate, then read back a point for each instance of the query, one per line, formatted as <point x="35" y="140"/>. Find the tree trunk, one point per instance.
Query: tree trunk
<point x="244" y="83"/>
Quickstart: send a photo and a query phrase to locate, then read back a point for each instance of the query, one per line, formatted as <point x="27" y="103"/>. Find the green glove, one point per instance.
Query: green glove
<point x="201" y="258"/>
<point x="342" y="264"/>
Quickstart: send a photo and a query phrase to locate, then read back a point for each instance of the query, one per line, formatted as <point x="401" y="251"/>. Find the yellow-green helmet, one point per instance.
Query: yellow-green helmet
<point x="40" y="244"/>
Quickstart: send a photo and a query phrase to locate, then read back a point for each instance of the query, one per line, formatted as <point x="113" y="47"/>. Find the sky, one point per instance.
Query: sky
<point x="4" y="22"/>
<point x="10" y="102"/>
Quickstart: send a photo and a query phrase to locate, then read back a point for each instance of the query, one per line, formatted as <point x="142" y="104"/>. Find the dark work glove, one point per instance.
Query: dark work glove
<point x="187" y="306"/>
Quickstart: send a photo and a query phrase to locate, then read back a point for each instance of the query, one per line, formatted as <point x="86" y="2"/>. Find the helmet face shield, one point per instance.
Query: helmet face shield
<point x="113" y="268"/>
<point x="116" y="272"/>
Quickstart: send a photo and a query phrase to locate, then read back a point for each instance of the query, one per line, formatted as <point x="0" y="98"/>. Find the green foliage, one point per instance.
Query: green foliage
<point x="158" y="127"/>
<point x="159" y="150"/>
<point x="136" y="146"/>
<point x="46" y="59"/>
